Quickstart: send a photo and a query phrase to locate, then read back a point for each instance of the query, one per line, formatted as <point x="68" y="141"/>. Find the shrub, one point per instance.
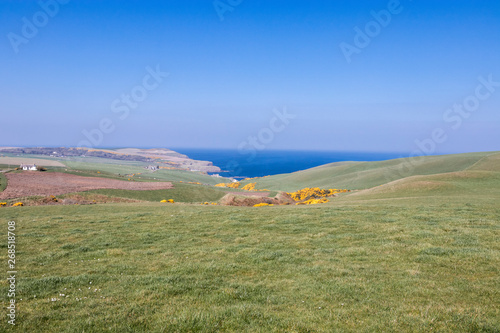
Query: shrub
<point x="3" y="204"/>
<point x="18" y="204"/>
<point x="312" y="202"/>
<point x="262" y="204"/>
<point x="313" y="193"/>
<point x="230" y="185"/>
<point x="249" y="187"/>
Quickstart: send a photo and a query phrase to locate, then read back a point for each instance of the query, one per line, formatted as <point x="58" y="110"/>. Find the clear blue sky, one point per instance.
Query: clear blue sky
<point x="227" y="76"/>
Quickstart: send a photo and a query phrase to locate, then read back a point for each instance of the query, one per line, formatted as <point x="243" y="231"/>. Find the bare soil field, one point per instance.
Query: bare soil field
<point x="31" y="183"/>
<point x="25" y="160"/>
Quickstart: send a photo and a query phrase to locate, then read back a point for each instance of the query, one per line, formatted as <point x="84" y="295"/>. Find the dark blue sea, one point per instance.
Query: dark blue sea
<point x="272" y="162"/>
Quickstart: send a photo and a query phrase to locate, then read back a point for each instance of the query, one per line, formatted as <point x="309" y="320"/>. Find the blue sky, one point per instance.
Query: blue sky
<point x="226" y="76"/>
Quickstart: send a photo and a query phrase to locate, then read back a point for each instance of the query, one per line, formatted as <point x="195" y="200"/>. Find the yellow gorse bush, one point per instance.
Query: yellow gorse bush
<point x="169" y="201"/>
<point x="313" y="193"/>
<point x="230" y="185"/>
<point x="249" y="187"/>
<point x="312" y="202"/>
<point x="18" y="204"/>
<point x="3" y="204"/>
<point x="262" y="204"/>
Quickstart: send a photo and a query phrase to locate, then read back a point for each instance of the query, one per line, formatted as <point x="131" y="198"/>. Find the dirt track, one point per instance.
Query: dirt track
<point x="30" y="183"/>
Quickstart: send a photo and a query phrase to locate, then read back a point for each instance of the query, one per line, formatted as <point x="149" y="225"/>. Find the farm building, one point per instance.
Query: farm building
<point x="29" y="167"/>
<point x="152" y="167"/>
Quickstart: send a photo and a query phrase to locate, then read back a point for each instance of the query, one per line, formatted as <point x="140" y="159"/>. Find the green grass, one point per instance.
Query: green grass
<point x="187" y="176"/>
<point x="354" y="266"/>
<point x="180" y="193"/>
<point x="106" y="166"/>
<point x="114" y="169"/>
<point x="97" y="173"/>
<point x="419" y="254"/>
<point x="3" y="182"/>
<point x="449" y="185"/>
<point x="362" y="175"/>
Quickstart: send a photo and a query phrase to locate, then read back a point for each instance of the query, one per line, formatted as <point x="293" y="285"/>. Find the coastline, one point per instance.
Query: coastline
<point x="272" y="162"/>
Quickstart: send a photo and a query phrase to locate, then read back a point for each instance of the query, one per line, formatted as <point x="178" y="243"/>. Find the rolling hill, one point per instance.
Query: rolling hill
<point x="404" y="253"/>
<point x="365" y="175"/>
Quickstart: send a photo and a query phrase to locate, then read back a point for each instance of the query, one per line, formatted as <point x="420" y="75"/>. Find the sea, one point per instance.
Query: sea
<point x="272" y="162"/>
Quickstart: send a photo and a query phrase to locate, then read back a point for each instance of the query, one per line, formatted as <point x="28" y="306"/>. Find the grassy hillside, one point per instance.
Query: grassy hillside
<point x="14" y="161"/>
<point x="3" y="182"/>
<point x="482" y="179"/>
<point x="391" y="266"/>
<point x="116" y="169"/>
<point x="112" y="170"/>
<point x="417" y="254"/>
<point x="450" y="185"/>
<point x="488" y="163"/>
<point x="180" y="193"/>
<point x="363" y="175"/>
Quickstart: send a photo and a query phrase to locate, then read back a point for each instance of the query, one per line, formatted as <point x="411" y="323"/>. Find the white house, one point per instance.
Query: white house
<point x="29" y="167"/>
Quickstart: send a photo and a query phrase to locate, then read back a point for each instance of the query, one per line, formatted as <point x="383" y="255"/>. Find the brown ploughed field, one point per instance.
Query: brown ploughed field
<point x="33" y="183"/>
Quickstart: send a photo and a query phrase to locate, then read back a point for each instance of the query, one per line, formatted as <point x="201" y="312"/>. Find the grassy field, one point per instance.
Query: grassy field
<point x="115" y="168"/>
<point x="363" y="175"/>
<point x="180" y="193"/>
<point x="112" y="170"/>
<point x="16" y="161"/>
<point x="411" y="265"/>
<point x="109" y="168"/>
<point x="3" y="182"/>
<point x="418" y="254"/>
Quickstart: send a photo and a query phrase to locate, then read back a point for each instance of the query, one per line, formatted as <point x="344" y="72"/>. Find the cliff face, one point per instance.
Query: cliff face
<point x="160" y="156"/>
